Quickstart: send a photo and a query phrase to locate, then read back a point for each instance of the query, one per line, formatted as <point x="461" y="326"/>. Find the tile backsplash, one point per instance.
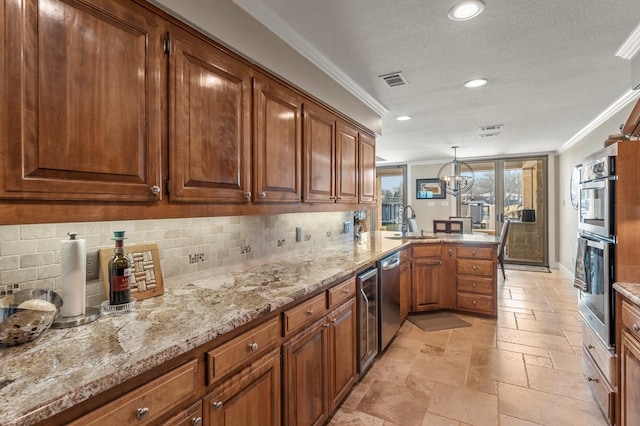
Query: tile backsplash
<point x="30" y="254"/>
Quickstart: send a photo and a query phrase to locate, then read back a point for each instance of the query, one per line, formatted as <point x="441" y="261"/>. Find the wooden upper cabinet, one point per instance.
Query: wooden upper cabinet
<point x="347" y="163"/>
<point x="209" y="123"/>
<point x="319" y="153"/>
<point x="84" y="87"/>
<point x="367" y="169"/>
<point x="278" y="142"/>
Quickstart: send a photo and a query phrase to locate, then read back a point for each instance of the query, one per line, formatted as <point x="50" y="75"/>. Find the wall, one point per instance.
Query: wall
<point x="428" y="210"/>
<point x="567" y="216"/>
<point x="227" y="23"/>
<point x="30" y="254"/>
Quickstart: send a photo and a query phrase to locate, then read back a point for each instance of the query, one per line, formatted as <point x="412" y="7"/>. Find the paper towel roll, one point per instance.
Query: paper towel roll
<point x="74" y="274"/>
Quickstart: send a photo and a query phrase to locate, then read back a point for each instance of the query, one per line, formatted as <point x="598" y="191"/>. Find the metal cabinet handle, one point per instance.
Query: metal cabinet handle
<point x="310" y="312"/>
<point x="450" y="252"/>
<point x="636" y="327"/>
<point x="334" y="320"/>
<point x="155" y="190"/>
<point x="247" y="195"/>
<point x="473" y="284"/>
<point x="141" y="412"/>
<point x="333" y="198"/>
<point x="474" y="267"/>
<point x="217" y="405"/>
<point x="474" y="302"/>
<point x="346" y="291"/>
<point x="253" y="347"/>
<point x="473" y="253"/>
<point x="196" y="421"/>
<point x="326" y="324"/>
<point x="262" y="195"/>
<point x="593" y="379"/>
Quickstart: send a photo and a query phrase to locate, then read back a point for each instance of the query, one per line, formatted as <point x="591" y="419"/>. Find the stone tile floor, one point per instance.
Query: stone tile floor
<point x="523" y="368"/>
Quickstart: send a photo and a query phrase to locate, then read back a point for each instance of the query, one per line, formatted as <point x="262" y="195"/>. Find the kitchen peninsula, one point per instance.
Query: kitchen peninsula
<point x="66" y="374"/>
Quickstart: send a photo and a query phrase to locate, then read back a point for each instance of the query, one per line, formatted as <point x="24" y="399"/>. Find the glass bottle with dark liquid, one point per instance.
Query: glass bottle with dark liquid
<point x="119" y="272"/>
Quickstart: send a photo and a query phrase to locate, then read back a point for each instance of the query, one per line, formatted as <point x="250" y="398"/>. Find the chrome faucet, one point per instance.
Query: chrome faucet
<point x="405" y="218"/>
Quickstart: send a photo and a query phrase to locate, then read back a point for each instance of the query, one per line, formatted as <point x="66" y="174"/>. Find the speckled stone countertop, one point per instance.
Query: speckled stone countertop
<point x="629" y="290"/>
<point x="67" y="366"/>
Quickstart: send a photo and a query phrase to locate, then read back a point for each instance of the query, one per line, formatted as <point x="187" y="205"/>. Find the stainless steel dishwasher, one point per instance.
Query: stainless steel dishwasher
<point x="389" y="296"/>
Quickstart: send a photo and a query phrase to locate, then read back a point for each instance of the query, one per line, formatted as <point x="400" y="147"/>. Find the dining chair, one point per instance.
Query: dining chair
<point x="503" y="243"/>
<point x="467" y="223"/>
<point x="448" y="226"/>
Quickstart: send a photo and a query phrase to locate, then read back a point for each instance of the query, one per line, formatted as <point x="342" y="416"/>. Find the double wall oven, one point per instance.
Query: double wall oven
<point x="596" y="243"/>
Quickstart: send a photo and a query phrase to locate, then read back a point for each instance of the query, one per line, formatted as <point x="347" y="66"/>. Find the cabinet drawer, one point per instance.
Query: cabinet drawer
<point x="475" y="284"/>
<point x="189" y="417"/>
<point x="341" y="292"/>
<point x="475" y="252"/>
<point x="146" y="404"/>
<point x="600" y="389"/>
<point x="484" y="268"/>
<point x="475" y="302"/>
<point x="242" y="349"/>
<point x="631" y="318"/>
<point x="427" y="250"/>
<point x="310" y="310"/>
<point x="601" y="355"/>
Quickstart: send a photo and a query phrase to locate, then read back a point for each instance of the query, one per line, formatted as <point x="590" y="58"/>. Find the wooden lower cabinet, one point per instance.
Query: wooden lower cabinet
<point x="250" y="398"/>
<point x="426" y="277"/>
<point x="629" y="380"/>
<point x="405" y="284"/>
<point x="320" y="367"/>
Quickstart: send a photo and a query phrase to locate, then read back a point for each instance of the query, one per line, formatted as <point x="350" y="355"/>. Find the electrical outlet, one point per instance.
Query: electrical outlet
<point x="93" y="266"/>
<point x="347" y="227"/>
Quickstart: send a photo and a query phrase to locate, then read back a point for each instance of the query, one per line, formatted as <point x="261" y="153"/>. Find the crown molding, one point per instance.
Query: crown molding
<point x="267" y="17"/>
<point x="631" y="45"/>
<point x="628" y="97"/>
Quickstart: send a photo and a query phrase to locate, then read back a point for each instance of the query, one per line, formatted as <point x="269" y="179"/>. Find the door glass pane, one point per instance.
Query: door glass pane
<point x="390" y="184"/>
<point x="524" y="199"/>
<point x="479" y="202"/>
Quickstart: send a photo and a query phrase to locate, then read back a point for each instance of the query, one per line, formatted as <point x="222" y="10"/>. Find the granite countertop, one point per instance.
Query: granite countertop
<point x="67" y="366"/>
<point x="629" y="290"/>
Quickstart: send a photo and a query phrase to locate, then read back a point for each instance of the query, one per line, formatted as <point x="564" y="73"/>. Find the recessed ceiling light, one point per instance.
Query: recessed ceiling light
<point x="403" y="118"/>
<point x="467" y="9"/>
<point x="476" y="82"/>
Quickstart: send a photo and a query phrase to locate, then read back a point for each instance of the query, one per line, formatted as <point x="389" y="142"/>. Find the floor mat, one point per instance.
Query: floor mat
<point x="528" y="268"/>
<point x="432" y="321"/>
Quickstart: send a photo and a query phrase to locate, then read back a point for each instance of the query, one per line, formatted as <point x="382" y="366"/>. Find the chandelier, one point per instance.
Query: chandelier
<point x="462" y="179"/>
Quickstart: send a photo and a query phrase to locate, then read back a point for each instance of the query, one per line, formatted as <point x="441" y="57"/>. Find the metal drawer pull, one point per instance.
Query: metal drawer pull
<point x="326" y="324"/>
<point x="140" y="412"/>
<point x="635" y="327"/>
<point x="473" y="253"/>
<point x="247" y="195"/>
<point x="196" y="421"/>
<point x="310" y="312"/>
<point x="474" y="267"/>
<point x="262" y="195"/>
<point x="592" y="379"/>
<point x="253" y="347"/>
<point x="217" y="405"/>
<point x="474" y="302"/>
<point x="473" y="284"/>
<point x="155" y="190"/>
<point x="345" y="291"/>
<point x="334" y="320"/>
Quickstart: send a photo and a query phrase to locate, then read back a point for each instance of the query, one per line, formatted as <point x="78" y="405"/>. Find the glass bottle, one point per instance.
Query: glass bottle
<point x="119" y="272"/>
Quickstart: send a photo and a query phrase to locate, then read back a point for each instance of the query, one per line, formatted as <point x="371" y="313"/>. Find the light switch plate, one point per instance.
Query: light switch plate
<point x="347" y="227"/>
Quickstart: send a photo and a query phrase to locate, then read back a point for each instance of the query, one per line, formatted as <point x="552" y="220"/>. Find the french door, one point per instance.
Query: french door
<point x="515" y="189"/>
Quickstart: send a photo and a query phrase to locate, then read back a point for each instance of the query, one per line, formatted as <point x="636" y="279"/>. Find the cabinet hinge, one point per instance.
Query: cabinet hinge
<point x="166" y="45"/>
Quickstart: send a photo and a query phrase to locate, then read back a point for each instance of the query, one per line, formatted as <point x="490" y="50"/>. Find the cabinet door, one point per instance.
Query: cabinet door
<point x="85" y="94"/>
<point x="306" y="396"/>
<point x="405" y="289"/>
<point x="209" y="123"/>
<point x="319" y="146"/>
<point x="367" y="167"/>
<point x="629" y="380"/>
<point x="427" y="274"/>
<point x="192" y="416"/>
<point x="342" y="352"/>
<point x="278" y="117"/>
<point x="250" y="398"/>
<point x="347" y="167"/>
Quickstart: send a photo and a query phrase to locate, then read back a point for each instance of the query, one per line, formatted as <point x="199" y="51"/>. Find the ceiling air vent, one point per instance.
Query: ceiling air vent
<point x="395" y="79"/>
<point x="491" y="128"/>
<point x="489" y="135"/>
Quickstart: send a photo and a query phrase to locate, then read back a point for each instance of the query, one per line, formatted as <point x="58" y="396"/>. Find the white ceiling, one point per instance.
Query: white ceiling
<point x="551" y="67"/>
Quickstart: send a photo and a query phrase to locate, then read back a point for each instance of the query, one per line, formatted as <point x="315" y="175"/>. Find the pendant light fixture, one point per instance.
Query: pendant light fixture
<point x="463" y="176"/>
